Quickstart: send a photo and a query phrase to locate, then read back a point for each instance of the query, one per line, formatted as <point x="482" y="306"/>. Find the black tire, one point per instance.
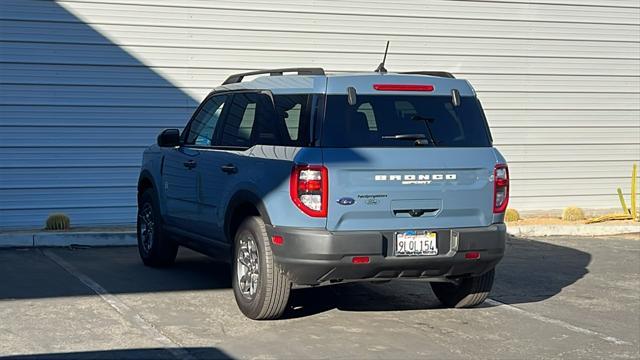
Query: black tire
<point x="272" y="287"/>
<point x="161" y="250"/>
<point x="468" y="293"/>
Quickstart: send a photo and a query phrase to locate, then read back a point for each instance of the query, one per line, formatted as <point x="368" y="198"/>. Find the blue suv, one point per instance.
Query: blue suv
<point x="301" y="178"/>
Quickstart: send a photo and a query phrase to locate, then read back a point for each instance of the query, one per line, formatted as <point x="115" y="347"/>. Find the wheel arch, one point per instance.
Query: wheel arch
<point x="145" y="181"/>
<point x="242" y="204"/>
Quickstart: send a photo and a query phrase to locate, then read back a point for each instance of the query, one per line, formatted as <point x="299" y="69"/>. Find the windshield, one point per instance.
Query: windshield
<point x="395" y="121"/>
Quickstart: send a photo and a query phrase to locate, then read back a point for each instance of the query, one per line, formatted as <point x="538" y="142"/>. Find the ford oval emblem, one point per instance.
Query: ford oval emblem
<point x="346" y="201"/>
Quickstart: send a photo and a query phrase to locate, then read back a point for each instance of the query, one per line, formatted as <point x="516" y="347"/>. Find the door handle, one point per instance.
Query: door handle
<point x="229" y="168"/>
<point x="190" y="164"/>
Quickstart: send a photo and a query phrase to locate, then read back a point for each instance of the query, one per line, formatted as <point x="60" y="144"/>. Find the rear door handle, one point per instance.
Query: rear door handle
<point x="229" y="168"/>
<point x="190" y="164"/>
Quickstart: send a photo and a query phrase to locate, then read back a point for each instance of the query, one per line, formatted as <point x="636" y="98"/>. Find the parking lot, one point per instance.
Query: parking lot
<point x="558" y="297"/>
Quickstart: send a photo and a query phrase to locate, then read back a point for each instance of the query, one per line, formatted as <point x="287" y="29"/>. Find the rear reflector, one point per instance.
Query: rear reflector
<point x="360" y="260"/>
<point x="402" y="87"/>
<point x="472" y="255"/>
<point x="277" y="240"/>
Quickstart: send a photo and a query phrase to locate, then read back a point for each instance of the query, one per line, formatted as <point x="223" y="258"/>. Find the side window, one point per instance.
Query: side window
<point x="292" y="119"/>
<point x="203" y="126"/>
<point x="250" y="121"/>
<point x="293" y="115"/>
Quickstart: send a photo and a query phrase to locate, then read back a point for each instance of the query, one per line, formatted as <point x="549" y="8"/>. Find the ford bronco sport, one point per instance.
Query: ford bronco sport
<point x="310" y="179"/>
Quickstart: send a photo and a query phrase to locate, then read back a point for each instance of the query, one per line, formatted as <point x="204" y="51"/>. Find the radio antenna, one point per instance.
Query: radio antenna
<point x="381" y="69"/>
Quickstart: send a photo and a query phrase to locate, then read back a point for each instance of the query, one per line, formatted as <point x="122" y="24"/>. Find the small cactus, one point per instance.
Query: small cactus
<point x="58" y="221"/>
<point x="511" y="215"/>
<point x="572" y="213"/>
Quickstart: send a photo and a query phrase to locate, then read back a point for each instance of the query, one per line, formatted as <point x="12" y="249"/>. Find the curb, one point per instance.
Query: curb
<point x="571" y="230"/>
<point x="83" y="238"/>
<point x="16" y="240"/>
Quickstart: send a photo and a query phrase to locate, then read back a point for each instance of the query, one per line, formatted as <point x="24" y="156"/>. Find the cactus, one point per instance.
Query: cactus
<point x="633" y="210"/>
<point x="634" y="189"/>
<point x="511" y="215"/>
<point x="572" y="214"/>
<point x="625" y="209"/>
<point x="58" y="221"/>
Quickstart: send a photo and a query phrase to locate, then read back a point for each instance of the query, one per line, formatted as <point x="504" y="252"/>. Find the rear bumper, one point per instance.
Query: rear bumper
<point x="313" y="257"/>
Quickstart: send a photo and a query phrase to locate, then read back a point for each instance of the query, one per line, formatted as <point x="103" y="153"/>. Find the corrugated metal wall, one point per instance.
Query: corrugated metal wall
<point x="86" y="85"/>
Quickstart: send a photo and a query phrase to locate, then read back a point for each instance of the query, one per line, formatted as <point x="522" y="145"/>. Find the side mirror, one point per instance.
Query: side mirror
<point x="169" y="138"/>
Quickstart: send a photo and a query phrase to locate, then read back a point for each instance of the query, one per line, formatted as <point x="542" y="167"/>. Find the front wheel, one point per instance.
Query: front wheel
<point x="468" y="292"/>
<point x="259" y="286"/>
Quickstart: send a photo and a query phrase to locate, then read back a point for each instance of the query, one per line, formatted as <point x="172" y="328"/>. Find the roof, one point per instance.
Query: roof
<point x="315" y="80"/>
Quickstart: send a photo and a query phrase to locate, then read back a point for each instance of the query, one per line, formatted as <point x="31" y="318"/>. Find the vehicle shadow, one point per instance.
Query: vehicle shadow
<point x="100" y="102"/>
<point x="34" y="274"/>
<point x="153" y="353"/>
<point x="531" y="271"/>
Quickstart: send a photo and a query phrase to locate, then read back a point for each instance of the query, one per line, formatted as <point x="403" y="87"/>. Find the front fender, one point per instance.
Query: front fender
<point x="146" y="174"/>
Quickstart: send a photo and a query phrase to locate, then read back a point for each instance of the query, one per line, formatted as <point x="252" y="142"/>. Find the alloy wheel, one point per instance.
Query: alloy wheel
<point x="145" y="218"/>
<point x="247" y="266"/>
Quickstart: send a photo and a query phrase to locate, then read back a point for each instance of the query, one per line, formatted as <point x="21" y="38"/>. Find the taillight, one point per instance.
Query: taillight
<point x="500" y="188"/>
<point x="309" y="186"/>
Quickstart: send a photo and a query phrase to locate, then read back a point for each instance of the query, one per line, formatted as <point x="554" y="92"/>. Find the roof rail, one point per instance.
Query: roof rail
<point x="443" y="74"/>
<point x="236" y="78"/>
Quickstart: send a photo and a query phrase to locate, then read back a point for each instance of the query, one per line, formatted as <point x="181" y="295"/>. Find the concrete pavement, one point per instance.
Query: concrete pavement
<point x="558" y="297"/>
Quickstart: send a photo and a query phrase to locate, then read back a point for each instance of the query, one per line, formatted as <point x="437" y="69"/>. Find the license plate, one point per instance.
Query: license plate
<point x="416" y="243"/>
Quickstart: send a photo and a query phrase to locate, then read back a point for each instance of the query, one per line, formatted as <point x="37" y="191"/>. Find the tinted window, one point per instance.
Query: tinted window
<point x="253" y="120"/>
<point x="203" y="125"/>
<point x="249" y="121"/>
<point x="374" y="117"/>
<point x="292" y="119"/>
<point x="367" y="110"/>
<point x="295" y="111"/>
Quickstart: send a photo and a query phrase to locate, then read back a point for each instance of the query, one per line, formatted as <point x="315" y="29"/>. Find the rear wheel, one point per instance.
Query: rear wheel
<point x="259" y="286"/>
<point x="155" y="248"/>
<point x="467" y="293"/>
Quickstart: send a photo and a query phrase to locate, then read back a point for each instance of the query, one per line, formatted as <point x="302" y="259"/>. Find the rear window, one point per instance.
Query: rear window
<point x="375" y="119"/>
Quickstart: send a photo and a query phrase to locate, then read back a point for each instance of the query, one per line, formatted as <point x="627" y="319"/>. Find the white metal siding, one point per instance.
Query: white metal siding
<point x="86" y="85"/>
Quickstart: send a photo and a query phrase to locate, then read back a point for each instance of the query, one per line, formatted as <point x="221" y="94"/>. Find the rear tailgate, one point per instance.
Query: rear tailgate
<point x="409" y="188"/>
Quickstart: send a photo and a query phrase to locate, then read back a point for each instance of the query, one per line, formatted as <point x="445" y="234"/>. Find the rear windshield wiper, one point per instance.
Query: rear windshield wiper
<point x="420" y="139"/>
<point x="426" y="122"/>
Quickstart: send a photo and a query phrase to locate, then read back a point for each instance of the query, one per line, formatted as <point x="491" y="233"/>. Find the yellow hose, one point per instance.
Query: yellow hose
<point x="609" y="217"/>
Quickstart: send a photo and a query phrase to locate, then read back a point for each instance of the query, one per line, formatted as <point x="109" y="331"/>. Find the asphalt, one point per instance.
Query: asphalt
<point x="556" y="297"/>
